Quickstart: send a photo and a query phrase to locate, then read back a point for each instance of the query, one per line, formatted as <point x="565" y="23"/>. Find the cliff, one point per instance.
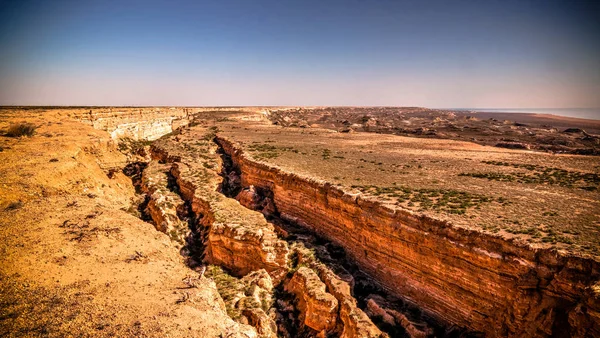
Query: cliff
<point x="234" y="237"/>
<point x="135" y="123"/>
<point x="463" y="277"/>
<point x="242" y="241"/>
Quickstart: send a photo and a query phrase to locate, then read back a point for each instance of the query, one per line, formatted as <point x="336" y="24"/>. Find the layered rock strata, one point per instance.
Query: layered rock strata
<point x="458" y="276"/>
<point x="351" y="320"/>
<point x="136" y="123"/>
<point x="234" y="237"/>
<point x="318" y="308"/>
<point x="243" y="242"/>
<point x="221" y="231"/>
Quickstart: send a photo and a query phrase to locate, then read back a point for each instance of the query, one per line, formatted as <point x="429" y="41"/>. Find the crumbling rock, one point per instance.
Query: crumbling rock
<point x="317" y="307"/>
<point x="395" y="318"/>
<point x="236" y="238"/>
<point x="163" y="204"/>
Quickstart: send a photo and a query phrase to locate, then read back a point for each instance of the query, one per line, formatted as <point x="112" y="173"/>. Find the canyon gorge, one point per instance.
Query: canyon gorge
<point x="253" y="229"/>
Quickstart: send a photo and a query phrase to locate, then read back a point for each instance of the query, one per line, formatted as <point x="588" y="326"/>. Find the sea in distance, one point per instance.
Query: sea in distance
<point x="582" y="113"/>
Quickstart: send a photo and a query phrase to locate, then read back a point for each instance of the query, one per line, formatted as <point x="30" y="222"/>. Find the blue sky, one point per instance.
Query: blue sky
<point x="425" y="53"/>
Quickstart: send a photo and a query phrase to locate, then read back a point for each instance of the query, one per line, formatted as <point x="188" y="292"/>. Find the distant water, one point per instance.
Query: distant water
<point x="582" y="113"/>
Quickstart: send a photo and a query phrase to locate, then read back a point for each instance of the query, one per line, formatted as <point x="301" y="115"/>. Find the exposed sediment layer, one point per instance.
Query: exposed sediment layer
<point x="459" y="276"/>
<point x="318" y="308"/>
<point x="135" y="123"/>
<point x="352" y="321"/>
<point x="234" y="237"/>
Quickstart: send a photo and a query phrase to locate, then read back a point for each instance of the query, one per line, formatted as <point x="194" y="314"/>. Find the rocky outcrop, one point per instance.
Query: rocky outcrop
<point x="227" y="234"/>
<point x="352" y="321"/>
<point x="395" y="318"/>
<point x="234" y="237"/>
<point x="249" y="299"/>
<point x="257" y="302"/>
<point x="164" y="205"/>
<point x="458" y="276"/>
<point x="244" y="243"/>
<point x="318" y="308"/>
<point x="355" y="322"/>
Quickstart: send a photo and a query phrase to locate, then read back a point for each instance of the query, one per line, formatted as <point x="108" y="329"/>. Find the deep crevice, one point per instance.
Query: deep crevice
<point x="328" y="253"/>
<point x="193" y="250"/>
<point x="287" y="318"/>
<point x="134" y="171"/>
<point x="335" y="258"/>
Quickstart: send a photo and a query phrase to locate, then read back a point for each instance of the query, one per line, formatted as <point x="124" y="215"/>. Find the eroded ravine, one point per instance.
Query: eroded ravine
<point x="319" y="290"/>
<point x="280" y="289"/>
<point x="392" y="315"/>
<point x="456" y="275"/>
<point x="189" y="210"/>
<point x="327" y="258"/>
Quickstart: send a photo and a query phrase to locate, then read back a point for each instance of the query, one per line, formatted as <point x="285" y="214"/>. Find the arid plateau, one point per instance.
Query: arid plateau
<point x="297" y="222"/>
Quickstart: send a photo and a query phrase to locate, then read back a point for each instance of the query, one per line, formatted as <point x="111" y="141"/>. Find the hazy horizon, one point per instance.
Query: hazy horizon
<point x="517" y="54"/>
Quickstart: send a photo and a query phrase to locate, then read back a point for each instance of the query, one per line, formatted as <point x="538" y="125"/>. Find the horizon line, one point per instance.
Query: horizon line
<point x="259" y="105"/>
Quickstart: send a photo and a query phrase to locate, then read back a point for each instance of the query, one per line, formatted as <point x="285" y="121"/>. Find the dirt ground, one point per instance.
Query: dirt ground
<point x="74" y="262"/>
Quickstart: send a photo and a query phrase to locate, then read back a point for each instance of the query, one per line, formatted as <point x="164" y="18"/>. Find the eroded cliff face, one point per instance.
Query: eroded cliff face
<point x="165" y="206"/>
<point x="234" y="237"/>
<point x="186" y="172"/>
<point x="457" y="276"/>
<point x="318" y="308"/>
<point x="136" y="123"/>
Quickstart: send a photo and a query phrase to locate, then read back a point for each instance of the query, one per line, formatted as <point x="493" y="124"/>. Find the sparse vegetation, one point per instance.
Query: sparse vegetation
<point x="550" y="213"/>
<point x="262" y="151"/>
<point x="445" y="200"/>
<point x="211" y="133"/>
<point x="14" y="205"/>
<point x="237" y="293"/>
<point x="541" y="175"/>
<point x="131" y="146"/>
<point x="21" y="129"/>
<point x="229" y="287"/>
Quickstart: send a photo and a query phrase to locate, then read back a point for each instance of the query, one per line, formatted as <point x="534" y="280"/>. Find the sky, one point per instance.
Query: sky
<point x="494" y="54"/>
